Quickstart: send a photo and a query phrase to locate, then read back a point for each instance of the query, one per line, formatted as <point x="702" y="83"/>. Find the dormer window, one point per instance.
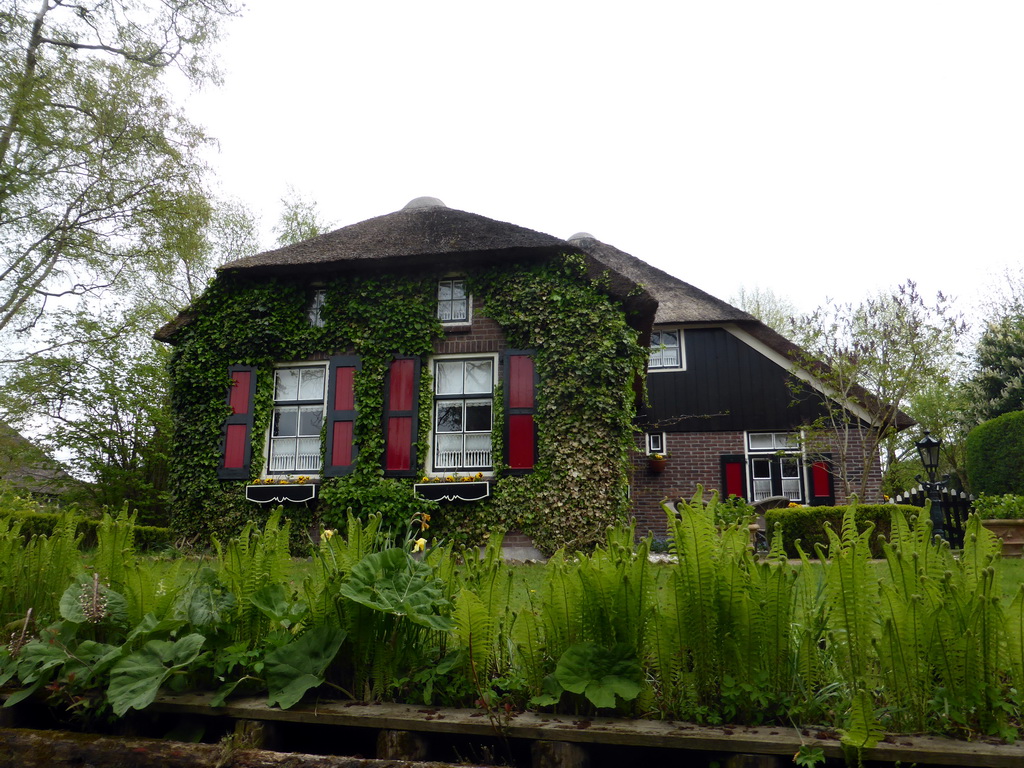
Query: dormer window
<point x="452" y="302"/>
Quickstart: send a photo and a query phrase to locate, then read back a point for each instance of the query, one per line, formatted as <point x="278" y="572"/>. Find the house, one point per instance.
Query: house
<point x="435" y="360"/>
<point x="29" y="471"/>
<point x="722" y="404"/>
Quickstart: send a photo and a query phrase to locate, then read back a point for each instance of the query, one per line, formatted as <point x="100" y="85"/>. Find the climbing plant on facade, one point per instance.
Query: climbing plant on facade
<point x="586" y="355"/>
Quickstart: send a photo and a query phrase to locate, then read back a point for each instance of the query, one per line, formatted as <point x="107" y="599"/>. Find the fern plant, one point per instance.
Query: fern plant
<point x="249" y="562"/>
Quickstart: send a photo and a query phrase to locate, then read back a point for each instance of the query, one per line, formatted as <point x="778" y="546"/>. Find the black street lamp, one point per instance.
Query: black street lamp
<point x="928" y="448"/>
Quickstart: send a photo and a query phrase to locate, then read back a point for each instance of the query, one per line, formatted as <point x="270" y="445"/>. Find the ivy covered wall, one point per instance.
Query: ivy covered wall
<point x="587" y="359"/>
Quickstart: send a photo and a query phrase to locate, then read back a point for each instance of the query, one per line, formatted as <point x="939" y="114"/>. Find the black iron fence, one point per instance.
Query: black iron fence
<point x="956" y="505"/>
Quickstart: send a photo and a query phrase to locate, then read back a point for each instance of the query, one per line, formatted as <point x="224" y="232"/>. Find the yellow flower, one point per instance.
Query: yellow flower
<point x="424" y="479"/>
<point x="283" y="481"/>
<point x="479" y="475"/>
<point x="423" y="526"/>
<point x="425" y="517"/>
<point x="449" y="478"/>
<point x="328" y="533"/>
<point x="419" y="545"/>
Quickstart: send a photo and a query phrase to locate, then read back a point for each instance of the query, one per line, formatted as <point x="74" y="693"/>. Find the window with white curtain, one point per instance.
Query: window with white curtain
<point x="463" y="414"/>
<point x="297" y="420"/>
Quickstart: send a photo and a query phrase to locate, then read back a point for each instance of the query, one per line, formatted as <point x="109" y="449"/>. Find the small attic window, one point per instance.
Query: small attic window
<point x="452" y="302"/>
<point x="666" y="351"/>
<point x="316" y="305"/>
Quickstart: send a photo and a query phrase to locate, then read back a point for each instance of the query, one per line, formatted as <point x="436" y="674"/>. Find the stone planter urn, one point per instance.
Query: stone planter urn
<point x="1011" y="532"/>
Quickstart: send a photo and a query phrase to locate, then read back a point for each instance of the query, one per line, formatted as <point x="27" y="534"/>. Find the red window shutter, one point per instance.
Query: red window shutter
<point x="734" y="476"/>
<point x="520" y="409"/>
<point x="822" y="482"/>
<point x="236" y="449"/>
<point x="340" y="450"/>
<point x="401" y="395"/>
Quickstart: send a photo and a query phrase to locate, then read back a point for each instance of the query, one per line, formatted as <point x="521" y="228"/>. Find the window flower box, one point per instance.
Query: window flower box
<point x="1011" y="532"/>
<point x="656" y="462"/>
<point x="280" y="493"/>
<point x="473" y="490"/>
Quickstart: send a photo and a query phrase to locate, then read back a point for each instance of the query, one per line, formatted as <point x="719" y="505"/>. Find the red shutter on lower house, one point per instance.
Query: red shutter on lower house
<point x="520" y="408"/>
<point x="236" y="448"/>
<point x="401" y="396"/>
<point x="822" y="491"/>
<point x="340" y="450"/>
<point x="734" y="476"/>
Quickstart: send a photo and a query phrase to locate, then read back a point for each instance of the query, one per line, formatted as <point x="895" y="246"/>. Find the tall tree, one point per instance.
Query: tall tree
<point x="870" y="360"/>
<point x="771" y="309"/>
<point x="997" y="386"/>
<point x="94" y="391"/>
<point x="99" y="174"/>
<point x="299" y="219"/>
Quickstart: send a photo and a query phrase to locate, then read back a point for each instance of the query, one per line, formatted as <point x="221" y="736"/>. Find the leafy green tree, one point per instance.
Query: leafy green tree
<point x="102" y="405"/>
<point x="997" y="386"/>
<point x="299" y="220"/>
<point x="96" y="392"/>
<point x="99" y="175"/>
<point x="775" y="311"/>
<point x="870" y="360"/>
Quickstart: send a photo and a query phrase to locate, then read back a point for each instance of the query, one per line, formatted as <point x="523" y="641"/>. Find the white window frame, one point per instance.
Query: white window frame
<point x="774" y="447"/>
<point x="432" y="470"/>
<point x="657" y="349"/>
<point x="314" y="310"/>
<point x="655" y="442"/>
<point x="460" y="322"/>
<point x="269" y="439"/>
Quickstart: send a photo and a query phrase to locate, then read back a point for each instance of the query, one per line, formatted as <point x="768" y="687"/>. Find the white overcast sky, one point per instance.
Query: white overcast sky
<point x="818" y="149"/>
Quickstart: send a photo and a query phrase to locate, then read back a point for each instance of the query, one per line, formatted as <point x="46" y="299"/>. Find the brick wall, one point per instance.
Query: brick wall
<point x="482" y="336"/>
<point x="696" y="460"/>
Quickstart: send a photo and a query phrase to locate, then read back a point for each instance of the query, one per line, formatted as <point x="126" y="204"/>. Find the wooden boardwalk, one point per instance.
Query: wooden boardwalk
<point x="591" y="733"/>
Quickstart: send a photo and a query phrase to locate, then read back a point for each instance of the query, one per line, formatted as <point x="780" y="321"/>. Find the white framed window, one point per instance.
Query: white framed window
<point x="453" y="303"/>
<point x="315" y="308"/>
<point x="463" y="414"/>
<point x="666" y="351"/>
<point x="298" y="417"/>
<point x="773" y="441"/>
<point x="776" y="465"/>
<point x="655" y="442"/>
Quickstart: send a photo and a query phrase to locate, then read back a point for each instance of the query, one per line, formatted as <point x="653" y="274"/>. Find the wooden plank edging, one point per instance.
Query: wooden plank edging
<point x="774" y="740"/>
<point x="25" y="748"/>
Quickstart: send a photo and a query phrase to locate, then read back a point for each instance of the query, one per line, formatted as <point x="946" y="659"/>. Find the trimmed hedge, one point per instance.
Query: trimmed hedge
<point x="147" y="537"/>
<point x="807" y="524"/>
<point x="995" y="455"/>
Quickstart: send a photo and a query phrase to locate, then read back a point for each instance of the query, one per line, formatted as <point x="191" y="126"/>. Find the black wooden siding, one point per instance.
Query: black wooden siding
<point x="724" y="376"/>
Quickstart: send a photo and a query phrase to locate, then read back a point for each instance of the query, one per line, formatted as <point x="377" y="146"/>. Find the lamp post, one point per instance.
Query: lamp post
<point x="928" y="448"/>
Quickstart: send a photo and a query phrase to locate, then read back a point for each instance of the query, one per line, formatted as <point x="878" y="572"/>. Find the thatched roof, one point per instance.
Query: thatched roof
<point x="28" y="468"/>
<point x="423" y="228"/>
<point x="424" y="234"/>
<point x="678" y="301"/>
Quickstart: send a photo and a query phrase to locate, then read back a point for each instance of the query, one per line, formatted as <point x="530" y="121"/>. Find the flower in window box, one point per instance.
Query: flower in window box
<point x="656" y="462"/>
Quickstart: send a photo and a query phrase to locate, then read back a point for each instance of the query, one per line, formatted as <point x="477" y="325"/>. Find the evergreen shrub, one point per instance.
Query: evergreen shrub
<point x="995" y="455"/>
<point x="1007" y="506"/>
<point x="43" y="523"/>
<point x="807" y="524"/>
